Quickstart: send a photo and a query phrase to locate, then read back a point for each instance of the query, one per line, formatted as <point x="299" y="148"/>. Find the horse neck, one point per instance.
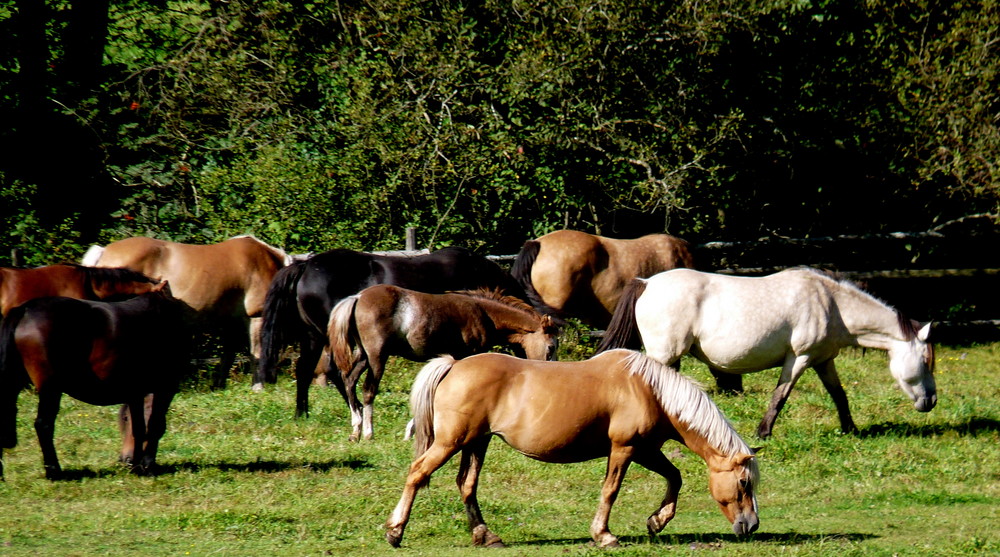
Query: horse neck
<point x="509" y="319"/>
<point x="869" y="322"/>
<point x="716" y="458"/>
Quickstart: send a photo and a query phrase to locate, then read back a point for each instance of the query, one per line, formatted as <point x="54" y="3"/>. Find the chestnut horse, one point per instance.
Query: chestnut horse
<point x="796" y="319"/>
<point x="224" y="284"/>
<point x="621" y="405"/>
<point x="303" y="294"/>
<point x="17" y="286"/>
<point x="101" y="353"/>
<point x="384" y="320"/>
<point x="568" y="273"/>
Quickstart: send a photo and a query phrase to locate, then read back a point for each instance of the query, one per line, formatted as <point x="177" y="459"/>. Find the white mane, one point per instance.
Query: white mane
<point x="681" y="397"/>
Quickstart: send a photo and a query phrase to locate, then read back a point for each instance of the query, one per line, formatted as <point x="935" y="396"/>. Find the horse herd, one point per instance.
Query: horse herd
<point x="119" y="330"/>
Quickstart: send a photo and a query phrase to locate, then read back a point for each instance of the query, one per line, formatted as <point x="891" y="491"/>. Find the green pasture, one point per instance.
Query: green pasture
<point x="242" y="477"/>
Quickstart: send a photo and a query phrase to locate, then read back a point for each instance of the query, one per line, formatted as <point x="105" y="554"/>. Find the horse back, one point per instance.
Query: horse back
<point x="583" y="406"/>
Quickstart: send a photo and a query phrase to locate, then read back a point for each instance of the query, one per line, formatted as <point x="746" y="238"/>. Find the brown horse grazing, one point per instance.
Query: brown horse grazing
<point x="17" y="286"/>
<point x="223" y="283"/>
<point x="619" y="404"/>
<point x="383" y="320"/>
<point x="574" y="274"/>
<point x="101" y="353"/>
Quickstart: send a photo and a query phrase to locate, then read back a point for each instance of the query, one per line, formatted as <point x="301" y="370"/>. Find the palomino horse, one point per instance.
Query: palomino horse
<point x="575" y="274"/>
<point x="223" y="283"/>
<point x="796" y="319"/>
<point x="384" y="320"/>
<point x="303" y="294"/>
<point x="101" y="353"/>
<point x="17" y="286"/>
<point x="621" y="405"/>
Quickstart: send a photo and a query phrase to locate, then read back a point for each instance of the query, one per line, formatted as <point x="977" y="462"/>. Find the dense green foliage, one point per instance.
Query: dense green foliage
<point x="242" y="477"/>
<point x="323" y="124"/>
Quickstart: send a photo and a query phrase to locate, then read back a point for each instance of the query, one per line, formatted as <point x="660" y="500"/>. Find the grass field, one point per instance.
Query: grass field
<point x="242" y="477"/>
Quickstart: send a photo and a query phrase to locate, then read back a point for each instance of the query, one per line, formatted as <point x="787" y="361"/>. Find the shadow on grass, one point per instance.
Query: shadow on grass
<point x="269" y="466"/>
<point x="973" y="426"/>
<point x="713" y="541"/>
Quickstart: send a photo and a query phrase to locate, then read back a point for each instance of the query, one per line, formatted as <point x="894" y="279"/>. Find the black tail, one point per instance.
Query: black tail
<point x="12" y="379"/>
<point x="521" y="271"/>
<point x="279" y="318"/>
<point x="622" y="332"/>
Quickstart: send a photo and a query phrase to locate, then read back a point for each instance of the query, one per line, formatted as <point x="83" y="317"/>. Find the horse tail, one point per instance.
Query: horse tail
<point x="93" y="255"/>
<point x="279" y="315"/>
<point x="13" y="378"/>
<point x="623" y="332"/>
<point x="422" y="401"/>
<point x="341" y="334"/>
<point x="521" y="271"/>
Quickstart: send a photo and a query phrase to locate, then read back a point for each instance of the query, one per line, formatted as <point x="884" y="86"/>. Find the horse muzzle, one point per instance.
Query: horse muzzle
<point x="745" y="524"/>
<point x="925" y="403"/>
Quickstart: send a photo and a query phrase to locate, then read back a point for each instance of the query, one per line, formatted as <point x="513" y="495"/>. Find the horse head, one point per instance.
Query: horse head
<point x="543" y="342"/>
<point x="733" y="482"/>
<point x="911" y="362"/>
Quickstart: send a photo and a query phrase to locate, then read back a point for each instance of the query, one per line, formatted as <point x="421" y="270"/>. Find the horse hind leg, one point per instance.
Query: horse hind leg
<point x="45" y="426"/>
<point x="468" y="482"/>
<point x="156" y="425"/>
<point x="418" y="477"/>
<point x="618" y="462"/>
<point x="729" y="383"/>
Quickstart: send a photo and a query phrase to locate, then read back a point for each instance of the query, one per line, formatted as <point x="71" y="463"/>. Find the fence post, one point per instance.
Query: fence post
<point x="15" y="257"/>
<point x="411" y="238"/>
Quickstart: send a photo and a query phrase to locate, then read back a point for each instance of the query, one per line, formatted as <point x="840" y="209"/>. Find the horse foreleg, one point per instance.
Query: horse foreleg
<point x="791" y="371"/>
<point x="655" y="461"/>
<point x="827" y="372"/>
<point x="468" y="482"/>
<point x="618" y="462"/>
<point x="419" y="475"/>
<point x="45" y="428"/>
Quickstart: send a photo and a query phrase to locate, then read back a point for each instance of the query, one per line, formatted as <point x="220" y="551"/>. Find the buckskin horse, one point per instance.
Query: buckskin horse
<point x="796" y="319"/>
<point x="619" y="404"/>
<point x="17" y="286"/>
<point x="302" y="295"/>
<point x="131" y="352"/>
<point x="224" y="284"/>
<point x="384" y="320"/>
<point x="568" y="273"/>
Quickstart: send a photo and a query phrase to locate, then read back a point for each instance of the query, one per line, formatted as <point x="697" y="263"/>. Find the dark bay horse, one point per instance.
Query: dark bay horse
<point x="384" y="320"/>
<point x="224" y="283"/>
<point x="620" y="405"/>
<point x="795" y="319"/>
<point x="568" y="273"/>
<point x="17" y="286"/>
<point x="101" y="353"/>
<point x="303" y="294"/>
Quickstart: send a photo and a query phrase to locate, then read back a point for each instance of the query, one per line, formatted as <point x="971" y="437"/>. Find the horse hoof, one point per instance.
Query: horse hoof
<point x="496" y="545"/>
<point x="257" y="388"/>
<point x="393" y="538"/>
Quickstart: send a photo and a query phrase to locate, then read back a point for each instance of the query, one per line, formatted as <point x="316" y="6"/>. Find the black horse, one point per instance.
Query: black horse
<point x="302" y="295"/>
<point x="132" y="352"/>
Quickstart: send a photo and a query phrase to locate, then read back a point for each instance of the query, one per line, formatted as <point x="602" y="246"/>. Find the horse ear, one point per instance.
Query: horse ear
<point x="755" y="450"/>
<point x="924" y="333"/>
<point x="743" y="459"/>
<point x="163" y="286"/>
